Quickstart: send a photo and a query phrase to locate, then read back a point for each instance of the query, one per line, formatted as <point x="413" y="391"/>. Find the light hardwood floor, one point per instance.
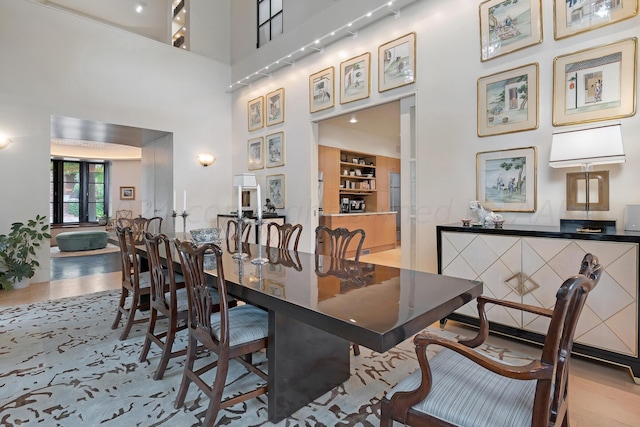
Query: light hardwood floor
<point x="601" y="395"/>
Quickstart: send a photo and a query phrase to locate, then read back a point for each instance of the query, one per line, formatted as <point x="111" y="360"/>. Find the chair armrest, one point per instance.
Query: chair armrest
<point x="400" y="402"/>
<point x="541" y="311"/>
<point x="483" y="331"/>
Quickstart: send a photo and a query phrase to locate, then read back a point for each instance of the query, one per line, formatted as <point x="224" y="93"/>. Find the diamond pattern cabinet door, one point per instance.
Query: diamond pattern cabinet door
<point x="491" y="259"/>
<point x="609" y="319"/>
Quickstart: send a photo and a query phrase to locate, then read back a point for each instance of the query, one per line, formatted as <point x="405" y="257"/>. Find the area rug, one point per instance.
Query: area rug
<point x="57" y="253"/>
<point x="63" y="365"/>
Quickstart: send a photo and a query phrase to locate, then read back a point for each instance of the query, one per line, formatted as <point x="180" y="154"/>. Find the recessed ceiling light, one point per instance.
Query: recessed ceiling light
<point x="353" y="120"/>
<point x="140" y="7"/>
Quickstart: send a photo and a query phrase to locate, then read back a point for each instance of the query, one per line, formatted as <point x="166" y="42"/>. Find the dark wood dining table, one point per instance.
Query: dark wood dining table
<point x="319" y="305"/>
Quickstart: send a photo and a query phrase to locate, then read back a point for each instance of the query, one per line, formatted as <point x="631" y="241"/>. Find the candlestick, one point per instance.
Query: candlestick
<point x="184" y="216"/>
<point x="238" y="256"/>
<point x="184" y="207"/>
<point x="259" y="260"/>
<point x="174" y="214"/>
<point x="174" y="201"/>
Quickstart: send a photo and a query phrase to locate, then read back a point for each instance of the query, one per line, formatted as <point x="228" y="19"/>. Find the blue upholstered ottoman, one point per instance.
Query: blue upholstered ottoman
<point x="72" y="241"/>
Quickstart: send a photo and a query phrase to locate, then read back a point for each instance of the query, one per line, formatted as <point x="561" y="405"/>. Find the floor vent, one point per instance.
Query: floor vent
<point x="366" y="251"/>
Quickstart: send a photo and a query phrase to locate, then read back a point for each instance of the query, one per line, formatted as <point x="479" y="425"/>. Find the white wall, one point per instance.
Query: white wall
<point x="362" y="142"/>
<point x="448" y="67"/>
<point x="57" y="63"/>
<point x="125" y="173"/>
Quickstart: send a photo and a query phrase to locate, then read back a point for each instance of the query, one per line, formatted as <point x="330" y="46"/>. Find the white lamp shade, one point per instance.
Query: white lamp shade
<point x="245" y="180"/>
<point x="585" y="147"/>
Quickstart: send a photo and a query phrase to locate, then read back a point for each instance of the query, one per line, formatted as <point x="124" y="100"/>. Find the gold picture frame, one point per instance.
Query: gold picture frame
<point x="397" y="63"/>
<point x="573" y="17"/>
<point x="255" y="113"/>
<point x="274" y="149"/>
<point x="255" y="151"/>
<point x="598" y="186"/>
<point x="506" y="180"/>
<point x="274" y="103"/>
<point x="595" y="84"/>
<point x="127" y="193"/>
<point x="276" y="189"/>
<point x="355" y="78"/>
<point x="321" y="90"/>
<point x="507" y="26"/>
<point x="508" y="101"/>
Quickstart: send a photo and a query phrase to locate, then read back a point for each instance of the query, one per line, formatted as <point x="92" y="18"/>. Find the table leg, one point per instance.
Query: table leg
<point x="304" y="363"/>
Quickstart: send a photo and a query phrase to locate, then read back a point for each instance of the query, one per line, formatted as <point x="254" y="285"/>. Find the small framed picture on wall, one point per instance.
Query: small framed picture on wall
<point x="275" y="107"/>
<point x="255" y="113"/>
<point x="255" y="159"/>
<point x="397" y="63"/>
<point x="276" y="190"/>
<point x="127" y="193"/>
<point x="321" y="92"/>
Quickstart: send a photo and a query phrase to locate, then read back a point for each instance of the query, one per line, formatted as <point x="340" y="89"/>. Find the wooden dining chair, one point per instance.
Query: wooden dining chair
<point x="168" y="301"/>
<point x="284" y="235"/>
<point x="231" y="333"/>
<point x="154" y="225"/>
<point x="134" y="282"/>
<point x="460" y="386"/>
<point x="232" y="230"/>
<point x="338" y="243"/>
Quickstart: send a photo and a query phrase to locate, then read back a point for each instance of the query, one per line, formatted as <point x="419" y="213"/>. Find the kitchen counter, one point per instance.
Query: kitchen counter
<point x="379" y="228"/>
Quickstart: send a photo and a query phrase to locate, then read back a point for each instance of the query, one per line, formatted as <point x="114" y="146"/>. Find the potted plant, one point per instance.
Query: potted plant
<point x="17" y="250"/>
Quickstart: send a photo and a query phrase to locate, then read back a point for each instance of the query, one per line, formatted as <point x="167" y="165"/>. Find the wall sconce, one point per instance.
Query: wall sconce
<point x="5" y="141"/>
<point x="206" y="159"/>
<point x="584" y="148"/>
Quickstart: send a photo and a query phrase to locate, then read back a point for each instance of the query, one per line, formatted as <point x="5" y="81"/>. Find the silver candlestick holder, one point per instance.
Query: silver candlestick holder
<point x="184" y="216"/>
<point x="174" y="214"/>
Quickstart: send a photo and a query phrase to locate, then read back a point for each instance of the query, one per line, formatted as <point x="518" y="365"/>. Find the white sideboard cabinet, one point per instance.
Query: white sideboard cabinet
<point x="528" y="264"/>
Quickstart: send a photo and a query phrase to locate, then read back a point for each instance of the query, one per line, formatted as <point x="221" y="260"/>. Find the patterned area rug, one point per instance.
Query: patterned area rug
<point x="62" y="365"/>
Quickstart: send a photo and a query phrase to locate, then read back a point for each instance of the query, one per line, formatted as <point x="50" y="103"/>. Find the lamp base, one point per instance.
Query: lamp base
<point x="588" y="226"/>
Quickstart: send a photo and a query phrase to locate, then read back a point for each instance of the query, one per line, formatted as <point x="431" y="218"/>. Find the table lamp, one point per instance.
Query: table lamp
<point x="584" y="148"/>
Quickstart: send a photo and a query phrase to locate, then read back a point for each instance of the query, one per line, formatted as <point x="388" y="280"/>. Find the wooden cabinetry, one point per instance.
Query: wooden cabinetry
<point x="379" y="229"/>
<point x="354" y="176"/>
<point x="528" y="264"/>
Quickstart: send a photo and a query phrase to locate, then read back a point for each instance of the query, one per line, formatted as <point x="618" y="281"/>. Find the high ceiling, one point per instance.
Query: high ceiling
<point x="152" y="21"/>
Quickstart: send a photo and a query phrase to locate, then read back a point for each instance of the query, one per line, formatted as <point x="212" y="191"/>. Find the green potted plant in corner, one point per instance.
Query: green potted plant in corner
<point x="17" y="251"/>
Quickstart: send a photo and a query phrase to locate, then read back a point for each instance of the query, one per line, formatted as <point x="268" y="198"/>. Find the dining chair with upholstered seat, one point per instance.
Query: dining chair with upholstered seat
<point x="170" y="302"/>
<point x="338" y="243"/>
<point x="284" y="235"/>
<point x="134" y="282"/>
<point x="460" y="386"/>
<point x="231" y="333"/>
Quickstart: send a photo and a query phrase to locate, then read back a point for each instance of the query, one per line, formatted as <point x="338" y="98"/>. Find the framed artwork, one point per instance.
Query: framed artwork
<point x="508" y="101"/>
<point x="127" y="193"/>
<point x="507" y="26"/>
<point x="276" y="190"/>
<point x="255" y="116"/>
<point x="355" y="81"/>
<point x="595" y="84"/>
<point x="275" y="107"/>
<point x="506" y="179"/>
<point x="598" y="191"/>
<point x="397" y="63"/>
<point x="254" y="154"/>
<point x="274" y="147"/>
<point x="572" y="17"/>
<point x="321" y="90"/>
